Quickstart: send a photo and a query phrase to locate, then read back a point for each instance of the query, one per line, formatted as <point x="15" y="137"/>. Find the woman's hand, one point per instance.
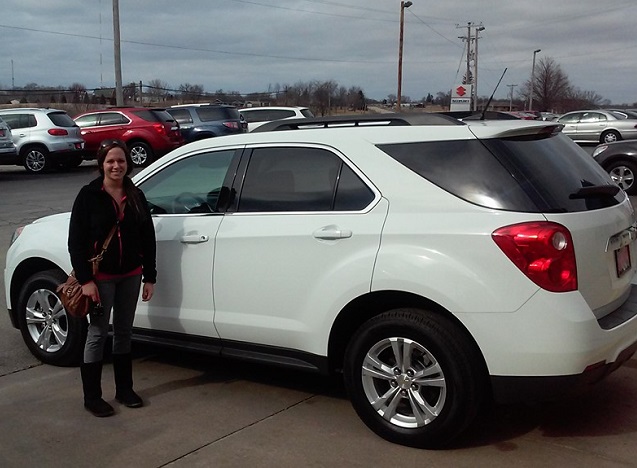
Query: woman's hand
<point x="90" y="289"/>
<point x="147" y="291"/>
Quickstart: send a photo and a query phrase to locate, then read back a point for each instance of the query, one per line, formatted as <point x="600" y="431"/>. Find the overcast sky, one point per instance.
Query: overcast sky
<point x="251" y="46"/>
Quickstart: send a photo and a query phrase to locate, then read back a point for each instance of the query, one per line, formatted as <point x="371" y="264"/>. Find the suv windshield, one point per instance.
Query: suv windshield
<point x="517" y="174"/>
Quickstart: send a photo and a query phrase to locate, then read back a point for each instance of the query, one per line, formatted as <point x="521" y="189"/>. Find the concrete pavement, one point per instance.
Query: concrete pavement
<point x="204" y="412"/>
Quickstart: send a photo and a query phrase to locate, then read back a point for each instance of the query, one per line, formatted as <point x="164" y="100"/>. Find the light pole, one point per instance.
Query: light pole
<point x="533" y="80"/>
<point x="119" y="93"/>
<point x="403" y="5"/>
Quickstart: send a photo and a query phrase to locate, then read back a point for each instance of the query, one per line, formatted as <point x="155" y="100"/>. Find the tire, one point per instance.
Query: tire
<point x="610" y="136"/>
<point x="36" y="159"/>
<point x="52" y="335"/>
<point x="623" y="174"/>
<point x="140" y="152"/>
<point x="427" y="401"/>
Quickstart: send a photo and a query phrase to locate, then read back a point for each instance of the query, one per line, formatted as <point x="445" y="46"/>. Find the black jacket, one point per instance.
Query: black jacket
<point x="94" y="214"/>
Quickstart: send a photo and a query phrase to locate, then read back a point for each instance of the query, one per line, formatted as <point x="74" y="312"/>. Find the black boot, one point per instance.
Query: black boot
<point x="92" y="385"/>
<point x="123" y="370"/>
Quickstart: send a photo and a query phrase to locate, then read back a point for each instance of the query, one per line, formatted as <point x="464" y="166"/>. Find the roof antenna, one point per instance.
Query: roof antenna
<point x="484" y="111"/>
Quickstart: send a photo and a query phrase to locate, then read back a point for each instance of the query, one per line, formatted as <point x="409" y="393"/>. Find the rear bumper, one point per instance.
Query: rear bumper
<point x="524" y="389"/>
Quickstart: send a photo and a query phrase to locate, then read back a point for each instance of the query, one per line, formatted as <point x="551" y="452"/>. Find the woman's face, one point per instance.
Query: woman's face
<point x="115" y="165"/>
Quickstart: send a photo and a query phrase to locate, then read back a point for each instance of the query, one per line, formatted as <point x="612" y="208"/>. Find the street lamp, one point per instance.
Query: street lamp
<point x="475" y="69"/>
<point x="533" y="80"/>
<point x="403" y="5"/>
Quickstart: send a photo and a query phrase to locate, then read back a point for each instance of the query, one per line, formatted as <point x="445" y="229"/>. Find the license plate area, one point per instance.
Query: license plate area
<point x="622" y="260"/>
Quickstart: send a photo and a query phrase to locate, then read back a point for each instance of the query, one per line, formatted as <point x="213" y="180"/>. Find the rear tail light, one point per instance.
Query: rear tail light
<point x="543" y="251"/>
<point x="1" y="132"/>
<point x="232" y="125"/>
<point x="57" y="132"/>
<point x="159" y="128"/>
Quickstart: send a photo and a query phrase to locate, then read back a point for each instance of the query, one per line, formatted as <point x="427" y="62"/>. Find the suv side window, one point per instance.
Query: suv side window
<point x="16" y="121"/>
<point x="113" y="118"/>
<point x="89" y="120"/>
<point x="181" y="115"/>
<point x="191" y="185"/>
<point x="301" y="179"/>
<point x="280" y="114"/>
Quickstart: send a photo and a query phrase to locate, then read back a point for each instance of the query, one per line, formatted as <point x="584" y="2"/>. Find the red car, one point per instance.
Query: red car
<point x="149" y="132"/>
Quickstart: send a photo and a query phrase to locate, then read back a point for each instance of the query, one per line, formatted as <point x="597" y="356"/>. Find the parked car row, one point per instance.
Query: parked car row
<point x="42" y="139"/>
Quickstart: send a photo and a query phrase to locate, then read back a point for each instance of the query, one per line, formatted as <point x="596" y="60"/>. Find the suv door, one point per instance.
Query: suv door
<point x="101" y="126"/>
<point x="299" y="243"/>
<point x="183" y="201"/>
<point x="21" y="125"/>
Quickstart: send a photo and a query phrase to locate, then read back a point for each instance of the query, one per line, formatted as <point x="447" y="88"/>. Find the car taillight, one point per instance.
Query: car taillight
<point x="232" y="125"/>
<point x="543" y="251"/>
<point x="57" y="132"/>
<point x="1" y="132"/>
<point x="159" y="127"/>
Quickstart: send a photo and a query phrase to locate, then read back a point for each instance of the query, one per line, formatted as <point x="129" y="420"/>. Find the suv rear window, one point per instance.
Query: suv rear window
<point x="208" y="114"/>
<point x="154" y="115"/>
<point x="536" y="175"/>
<point x="61" y="119"/>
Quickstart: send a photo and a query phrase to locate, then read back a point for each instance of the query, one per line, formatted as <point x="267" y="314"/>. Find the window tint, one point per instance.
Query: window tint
<point x="256" y="115"/>
<point x="571" y="118"/>
<point x="208" y="114"/>
<point x="191" y="185"/>
<point x="61" y="119"/>
<point x="589" y="117"/>
<point x="112" y="118"/>
<point x="307" y="113"/>
<point x="529" y="175"/>
<point x="87" y="120"/>
<point x="149" y="115"/>
<point x="280" y="114"/>
<point x="16" y="121"/>
<point x="300" y="179"/>
<point x="181" y="115"/>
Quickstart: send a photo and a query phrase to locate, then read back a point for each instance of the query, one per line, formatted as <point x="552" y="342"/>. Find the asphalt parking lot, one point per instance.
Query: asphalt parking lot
<point x="204" y="411"/>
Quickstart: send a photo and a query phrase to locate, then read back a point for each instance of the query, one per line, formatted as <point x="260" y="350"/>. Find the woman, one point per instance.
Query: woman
<point x="112" y="200"/>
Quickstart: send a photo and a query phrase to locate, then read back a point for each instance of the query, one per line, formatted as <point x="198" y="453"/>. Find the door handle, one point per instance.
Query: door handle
<point x="194" y="239"/>
<point x="332" y="233"/>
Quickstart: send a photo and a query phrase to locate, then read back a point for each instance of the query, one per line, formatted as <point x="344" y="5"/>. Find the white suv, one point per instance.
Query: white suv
<point x="44" y="138"/>
<point x="257" y="116"/>
<point x="435" y="264"/>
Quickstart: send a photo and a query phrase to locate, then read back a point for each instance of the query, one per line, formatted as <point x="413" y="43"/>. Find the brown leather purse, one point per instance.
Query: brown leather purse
<point x="75" y="303"/>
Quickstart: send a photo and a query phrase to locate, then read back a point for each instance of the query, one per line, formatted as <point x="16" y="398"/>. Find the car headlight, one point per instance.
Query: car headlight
<point x="16" y="234"/>
<point x="599" y="150"/>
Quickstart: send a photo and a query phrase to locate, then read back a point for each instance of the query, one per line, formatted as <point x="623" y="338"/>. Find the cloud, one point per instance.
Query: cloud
<point x="246" y="46"/>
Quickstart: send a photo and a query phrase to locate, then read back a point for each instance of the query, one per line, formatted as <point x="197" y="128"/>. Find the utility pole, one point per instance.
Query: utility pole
<point x="511" y="86"/>
<point x="471" y="77"/>
<point x="403" y="5"/>
<point x="535" y="52"/>
<point x="119" y="93"/>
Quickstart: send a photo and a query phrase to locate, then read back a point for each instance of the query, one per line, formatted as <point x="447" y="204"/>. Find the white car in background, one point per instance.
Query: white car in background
<point x="257" y="116"/>
<point x="436" y="265"/>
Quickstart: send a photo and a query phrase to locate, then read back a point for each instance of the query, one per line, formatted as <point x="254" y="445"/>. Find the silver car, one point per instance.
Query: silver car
<point x="44" y="138"/>
<point x="8" y="153"/>
<point x="598" y="126"/>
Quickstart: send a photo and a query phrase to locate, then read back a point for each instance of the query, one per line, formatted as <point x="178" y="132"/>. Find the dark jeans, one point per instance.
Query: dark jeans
<point x="119" y="296"/>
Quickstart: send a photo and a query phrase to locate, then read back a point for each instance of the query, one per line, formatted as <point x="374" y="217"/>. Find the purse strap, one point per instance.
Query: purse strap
<point x="98" y="258"/>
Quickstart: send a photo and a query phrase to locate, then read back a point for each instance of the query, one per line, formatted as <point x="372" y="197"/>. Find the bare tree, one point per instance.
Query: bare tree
<point x="190" y="93"/>
<point x="157" y="90"/>
<point x="551" y="86"/>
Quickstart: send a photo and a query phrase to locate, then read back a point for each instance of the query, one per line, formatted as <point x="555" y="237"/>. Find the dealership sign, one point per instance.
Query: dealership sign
<point x="461" y="98"/>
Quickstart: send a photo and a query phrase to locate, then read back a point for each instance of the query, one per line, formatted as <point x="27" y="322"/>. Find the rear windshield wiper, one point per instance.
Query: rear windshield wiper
<point x="595" y="191"/>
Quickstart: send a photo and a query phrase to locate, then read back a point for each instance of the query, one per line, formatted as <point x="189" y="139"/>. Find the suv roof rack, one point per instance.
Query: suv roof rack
<point x="359" y="121"/>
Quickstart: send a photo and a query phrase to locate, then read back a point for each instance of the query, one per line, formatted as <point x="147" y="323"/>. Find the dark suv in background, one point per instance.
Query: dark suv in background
<point x="149" y="133"/>
<point x="197" y="122"/>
